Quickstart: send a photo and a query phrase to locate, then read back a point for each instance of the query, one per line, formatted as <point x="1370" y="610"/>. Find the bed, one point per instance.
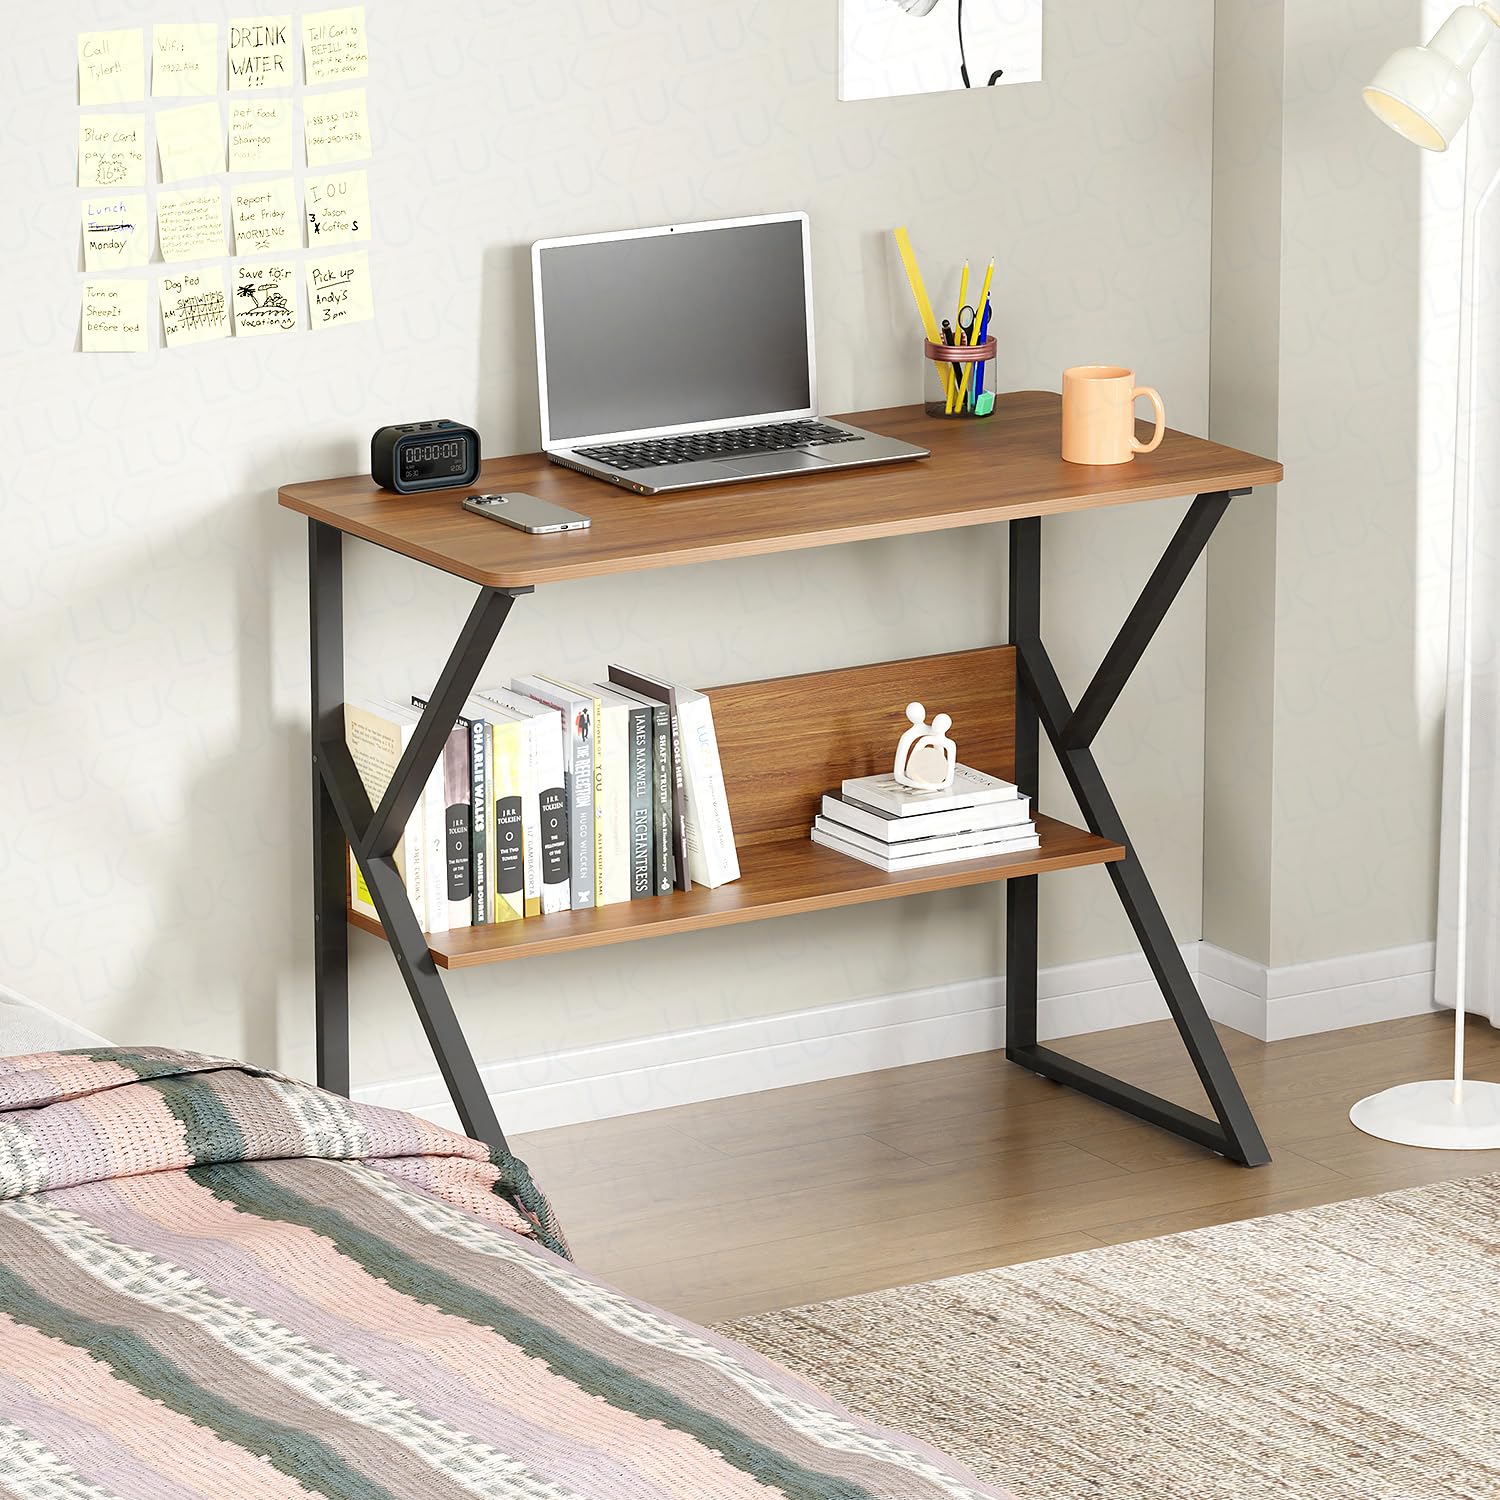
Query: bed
<point x="217" y="1281"/>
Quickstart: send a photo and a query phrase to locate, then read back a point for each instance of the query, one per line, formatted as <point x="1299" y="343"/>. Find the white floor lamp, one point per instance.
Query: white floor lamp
<point x="1423" y="93"/>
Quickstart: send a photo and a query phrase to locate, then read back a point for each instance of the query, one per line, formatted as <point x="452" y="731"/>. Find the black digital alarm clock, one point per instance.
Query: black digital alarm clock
<point x="420" y="456"/>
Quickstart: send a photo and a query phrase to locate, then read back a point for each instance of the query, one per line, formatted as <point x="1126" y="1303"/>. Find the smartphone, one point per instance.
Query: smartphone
<point x="526" y="512"/>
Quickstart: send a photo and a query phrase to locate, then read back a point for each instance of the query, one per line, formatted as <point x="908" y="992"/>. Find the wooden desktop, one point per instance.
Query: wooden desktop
<point x="1003" y="469"/>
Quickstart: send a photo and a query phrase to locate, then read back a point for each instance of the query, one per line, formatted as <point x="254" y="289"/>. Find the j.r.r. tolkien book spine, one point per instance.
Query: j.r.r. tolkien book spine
<point x="576" y="722"/>
<point x="508" y="778"/>
<point x="456" y="770"/>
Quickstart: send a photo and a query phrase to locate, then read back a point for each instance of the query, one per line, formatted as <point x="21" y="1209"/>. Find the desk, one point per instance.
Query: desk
<point x="1005" y="469"/>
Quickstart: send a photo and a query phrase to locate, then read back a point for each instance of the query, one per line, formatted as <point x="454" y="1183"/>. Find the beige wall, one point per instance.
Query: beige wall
<point x="154" y="862"/>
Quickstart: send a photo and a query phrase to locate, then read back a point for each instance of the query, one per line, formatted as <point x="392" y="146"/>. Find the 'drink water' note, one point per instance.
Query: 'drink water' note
<point x="337" y="127"/>
<point x="190" y="141"/>
<point x="116" y="232"/>
<point x="260" y="135"/>
<point x="185" y="60"/>
<point x="339" y="291"/>
<point x="114" y="316"/>
<point x="265" y="217"/>
<point x="194" y="308"/>
<point x="111" y="66"/>
<point x="190" y="223"/>
<point x="334" y="45"/>
<point x="260" y="53"/>
<point x="265" y="297"/>
<point x="112" y="151"/>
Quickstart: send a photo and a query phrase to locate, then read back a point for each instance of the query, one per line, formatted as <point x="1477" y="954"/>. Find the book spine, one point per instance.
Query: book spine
<point x="479" y="820"/>
<point x="509" y="834"/>
<point x="710" y="833"/>
<point x="662" y="866"/>
<point x="613" y="803"/>
<point x="457" y="791"/>
<point x="639" y="718"/>
<point x="682" y="877"/>
<point x="553" y="803"/>
<point x="601" y="815"/>
<point x="375" y="748"/>
<point x="532" y="730"/>
<point x="582" y="835"/>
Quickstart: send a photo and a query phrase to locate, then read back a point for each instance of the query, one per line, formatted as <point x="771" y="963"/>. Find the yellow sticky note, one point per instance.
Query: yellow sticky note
<point x="334" y="45"/>
<point x="339" y="291"/>
<point x="260" y="53"/>
<point x="116" y="231"/>
<point x="338" y="208"/>
<point x="337" y="128"/>
<point x="185" y="60"/>
<point x="260" y="135"/>
<point x="265" y="297"/>
<point x="265" y="217"/>
<point x="190" y="223"/>
<point x="190" y="141"/>
<point x="112" y="151"/>
<point x="194" y="308"/>
<point x="114" y="316"/>
<point x="111" y="66"/>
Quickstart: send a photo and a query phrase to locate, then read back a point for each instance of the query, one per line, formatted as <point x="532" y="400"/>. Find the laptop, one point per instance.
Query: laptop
<point x="678" y="357"/>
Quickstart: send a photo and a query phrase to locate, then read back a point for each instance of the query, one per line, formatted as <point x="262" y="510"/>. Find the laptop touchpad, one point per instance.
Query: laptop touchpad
<point x="785" y="462"/>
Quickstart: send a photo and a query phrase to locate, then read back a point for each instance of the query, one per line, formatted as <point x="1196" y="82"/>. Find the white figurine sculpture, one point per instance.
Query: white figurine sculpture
<point x="925" y="757"/>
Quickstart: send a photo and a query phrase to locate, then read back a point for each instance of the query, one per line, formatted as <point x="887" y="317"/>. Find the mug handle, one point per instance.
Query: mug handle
<point x="1161" y="420"/>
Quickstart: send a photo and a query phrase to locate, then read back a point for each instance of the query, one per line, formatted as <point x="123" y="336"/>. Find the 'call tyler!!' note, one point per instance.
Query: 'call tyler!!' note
<point x="111" y="66"/>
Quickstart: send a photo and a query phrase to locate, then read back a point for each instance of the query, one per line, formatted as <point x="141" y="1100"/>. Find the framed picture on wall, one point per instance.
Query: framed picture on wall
<point x="891" y="47"/>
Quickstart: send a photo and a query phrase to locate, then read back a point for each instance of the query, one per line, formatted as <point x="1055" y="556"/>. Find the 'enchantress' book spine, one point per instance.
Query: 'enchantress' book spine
<point x="640" y="802"/>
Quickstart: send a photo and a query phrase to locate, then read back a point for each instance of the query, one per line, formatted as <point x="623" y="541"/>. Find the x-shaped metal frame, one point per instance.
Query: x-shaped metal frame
<point x="342" y="812"/>
<point x="1042" y="705"/>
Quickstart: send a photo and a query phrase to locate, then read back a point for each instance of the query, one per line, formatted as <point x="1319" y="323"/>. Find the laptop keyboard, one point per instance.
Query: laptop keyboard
<point x="730" y="442"/>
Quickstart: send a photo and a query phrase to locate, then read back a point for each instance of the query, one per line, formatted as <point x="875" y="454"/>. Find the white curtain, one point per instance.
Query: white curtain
<point x="1477" y="467"/>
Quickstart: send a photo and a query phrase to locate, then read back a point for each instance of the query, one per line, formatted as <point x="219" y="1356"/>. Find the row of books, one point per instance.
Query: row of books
<point x="890" y="826"/>
<point x="553" y="796"/>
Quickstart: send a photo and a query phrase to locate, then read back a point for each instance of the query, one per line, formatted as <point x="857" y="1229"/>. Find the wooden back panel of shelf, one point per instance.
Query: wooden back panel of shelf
<point x="785" y="741"/>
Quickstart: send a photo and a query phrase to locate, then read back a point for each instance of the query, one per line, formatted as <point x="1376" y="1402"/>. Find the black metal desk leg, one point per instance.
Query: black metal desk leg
<point x="330" y="925"/>
<point x="1025" y="603"/>
<point x="1233" y="1132"/>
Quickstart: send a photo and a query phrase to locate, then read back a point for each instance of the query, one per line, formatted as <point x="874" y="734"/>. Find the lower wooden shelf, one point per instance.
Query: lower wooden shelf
<point x="777" y="879"/>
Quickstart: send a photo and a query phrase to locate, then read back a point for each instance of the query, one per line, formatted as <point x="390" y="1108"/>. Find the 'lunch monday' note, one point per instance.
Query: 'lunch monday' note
<point x="116" y="232"/>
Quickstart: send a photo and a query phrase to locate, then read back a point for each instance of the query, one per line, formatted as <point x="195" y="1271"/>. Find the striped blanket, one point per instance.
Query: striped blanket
<point x="219" y="1284"/>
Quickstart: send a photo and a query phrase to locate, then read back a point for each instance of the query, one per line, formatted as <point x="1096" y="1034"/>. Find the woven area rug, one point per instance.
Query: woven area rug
<point x="1350" y="1352"/>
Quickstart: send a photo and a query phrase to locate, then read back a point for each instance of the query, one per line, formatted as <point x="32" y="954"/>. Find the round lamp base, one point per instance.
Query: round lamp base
<point x="1427" y="1114"/>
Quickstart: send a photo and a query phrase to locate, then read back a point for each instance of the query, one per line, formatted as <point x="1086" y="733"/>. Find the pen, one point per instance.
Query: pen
<point x="963" y="299"/>
<point x="984" y="302"/>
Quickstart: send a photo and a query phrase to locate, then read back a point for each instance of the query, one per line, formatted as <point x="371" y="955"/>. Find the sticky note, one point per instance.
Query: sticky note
<point x="334" y="46"/>
<point x="114" y="316"/>
<point x="337" y="128"/>
<point x="265" y="297"/>
<point x="265" y="217"/>
<point x="190" y="141"/>
<point x="338" y="208"/>
<point x="260" y="135"/>
<point x="185" y="60"/>
<point x="111" y="66"/>
<point x="260" y="53"/>
<point x="116" y="231"/>
<point x="338" y="289"/>
<point x="112" y="151"/>
<point x="190" y="223"/>
<point x="194" y="308"/>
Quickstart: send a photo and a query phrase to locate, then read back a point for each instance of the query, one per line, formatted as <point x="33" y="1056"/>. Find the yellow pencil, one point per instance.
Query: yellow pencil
<point x="919" y="292"/>
<point x="963" y="302"/>
<point x="984" y="297"/>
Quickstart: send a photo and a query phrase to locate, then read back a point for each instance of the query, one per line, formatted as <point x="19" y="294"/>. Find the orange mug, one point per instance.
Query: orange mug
<point x="1098" y="415"/>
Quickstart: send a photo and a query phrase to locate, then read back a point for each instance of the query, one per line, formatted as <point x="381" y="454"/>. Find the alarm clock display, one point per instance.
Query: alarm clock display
<point x="417" y="456"/>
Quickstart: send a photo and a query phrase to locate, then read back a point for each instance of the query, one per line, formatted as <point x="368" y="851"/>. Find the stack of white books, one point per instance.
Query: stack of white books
<point x="885" y="824"/>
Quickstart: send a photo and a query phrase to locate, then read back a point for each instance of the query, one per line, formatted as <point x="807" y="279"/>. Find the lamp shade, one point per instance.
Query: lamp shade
<point x="1423" y="93"/>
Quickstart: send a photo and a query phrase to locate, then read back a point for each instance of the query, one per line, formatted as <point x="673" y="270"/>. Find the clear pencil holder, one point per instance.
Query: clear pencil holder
<point x="959" y="379"/>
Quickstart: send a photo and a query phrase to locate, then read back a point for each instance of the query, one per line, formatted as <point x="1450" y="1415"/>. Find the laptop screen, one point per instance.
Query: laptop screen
<point x="673" y="328"/>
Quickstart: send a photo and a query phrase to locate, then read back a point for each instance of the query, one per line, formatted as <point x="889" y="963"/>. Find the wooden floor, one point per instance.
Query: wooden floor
<point x="770" y="1200"/>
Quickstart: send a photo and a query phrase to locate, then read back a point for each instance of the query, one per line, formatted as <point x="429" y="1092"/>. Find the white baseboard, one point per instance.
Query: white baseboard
<point x="888" y="1031"/>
